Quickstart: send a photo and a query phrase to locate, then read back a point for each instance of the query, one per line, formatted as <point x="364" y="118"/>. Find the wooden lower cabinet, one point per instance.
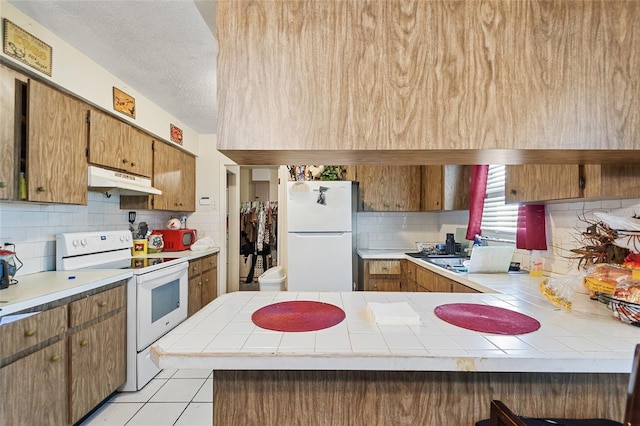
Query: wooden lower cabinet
<point x="97" y="360"/>
<point x="33" y="391"/>
<point x="417" y="278"/>
<point x="408" y="276"/>
<point x="431" y="281"/>
<point x="382" y="275"/>
<point x="203" y="282"/>
<point x="461" y="288"/>
<point x="59" y="364"/>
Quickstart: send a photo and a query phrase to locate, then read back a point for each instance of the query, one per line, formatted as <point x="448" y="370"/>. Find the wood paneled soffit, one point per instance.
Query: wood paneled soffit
<point x="444" y="157"/>
<point x="448" y="82"/>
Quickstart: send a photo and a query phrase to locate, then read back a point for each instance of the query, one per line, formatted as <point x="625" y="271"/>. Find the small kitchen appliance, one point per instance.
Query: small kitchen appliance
<point x="157" y="296"/>
<point x="7" y="268"/>
<point x="177" y="239"/>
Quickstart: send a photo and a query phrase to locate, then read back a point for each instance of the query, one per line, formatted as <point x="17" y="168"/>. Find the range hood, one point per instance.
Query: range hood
<point x="104" y="180"/>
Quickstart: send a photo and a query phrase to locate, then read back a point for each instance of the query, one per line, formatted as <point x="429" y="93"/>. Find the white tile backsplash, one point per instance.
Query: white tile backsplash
<point x="33" y="226"/>
<point x="402" y="230"/>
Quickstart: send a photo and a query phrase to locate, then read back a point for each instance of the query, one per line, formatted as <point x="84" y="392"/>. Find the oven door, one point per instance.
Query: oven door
<point x="161" y="302"/>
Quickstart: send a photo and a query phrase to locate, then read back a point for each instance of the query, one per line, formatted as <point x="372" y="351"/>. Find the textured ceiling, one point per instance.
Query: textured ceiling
<point x="164" y="49"/>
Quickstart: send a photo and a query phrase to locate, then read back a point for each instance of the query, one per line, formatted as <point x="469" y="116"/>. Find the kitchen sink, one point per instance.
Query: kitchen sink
<point x="455" y="264"/>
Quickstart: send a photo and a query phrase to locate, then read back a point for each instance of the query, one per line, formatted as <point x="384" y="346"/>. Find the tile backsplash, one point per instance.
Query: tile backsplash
<point x="32" y="227"/>
<point x="402" y="230"/>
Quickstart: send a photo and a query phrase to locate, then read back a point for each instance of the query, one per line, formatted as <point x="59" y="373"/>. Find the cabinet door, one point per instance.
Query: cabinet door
<point x="541" y="182"/>
<point x="389" y="188"/>
<point x="445" y="187"/>
<point x="431" y="281"/>
<point x="140" y="152"/>
<point x="461" y="288"/>
<point x="209" y="286"/>
<point x="97" y="356"/>
<point x="11" y="121"/>
<point x="432" y="178"/>
<point x="174" y="174"/>
<point x="57" y="142"/>
<point x="33" y="388"/>
<point x="107" y="141"/>
<point x="194" y="295"/>
<point x="611" y="180"/>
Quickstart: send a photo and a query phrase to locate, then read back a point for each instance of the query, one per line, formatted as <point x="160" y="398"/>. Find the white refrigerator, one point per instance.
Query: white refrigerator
<point x="319" y="236"/>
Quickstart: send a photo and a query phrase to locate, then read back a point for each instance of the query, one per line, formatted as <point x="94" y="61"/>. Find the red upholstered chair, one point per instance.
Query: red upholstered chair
<point x="501" y="415"/>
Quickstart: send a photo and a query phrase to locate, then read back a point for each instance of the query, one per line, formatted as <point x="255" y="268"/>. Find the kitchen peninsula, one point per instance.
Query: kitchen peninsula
<point x="359" y="372"/>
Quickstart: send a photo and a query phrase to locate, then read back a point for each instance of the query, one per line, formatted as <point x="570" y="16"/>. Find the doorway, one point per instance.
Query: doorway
<point x="258" y="223"/>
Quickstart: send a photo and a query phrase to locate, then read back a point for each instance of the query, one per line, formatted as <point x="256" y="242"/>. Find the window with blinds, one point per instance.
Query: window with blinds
<point x="498" y="219"/>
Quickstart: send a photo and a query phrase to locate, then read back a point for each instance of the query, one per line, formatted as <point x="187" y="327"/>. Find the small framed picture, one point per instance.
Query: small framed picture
<point x="124" y="103"/>
<point x="26" y="48"/>
<point x="175" y="134"/>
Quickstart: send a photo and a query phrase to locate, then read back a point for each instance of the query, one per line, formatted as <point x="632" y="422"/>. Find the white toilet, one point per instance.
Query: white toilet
<point x="272" y="279"/>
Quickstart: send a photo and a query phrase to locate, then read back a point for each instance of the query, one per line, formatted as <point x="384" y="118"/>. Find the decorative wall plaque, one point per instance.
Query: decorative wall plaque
<point x="26" y="48"/>
<point x="175" y="134"/>
<point x="124" y="103"/>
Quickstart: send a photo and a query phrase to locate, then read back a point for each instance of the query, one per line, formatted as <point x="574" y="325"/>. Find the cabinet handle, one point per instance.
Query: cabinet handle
<point x="84" y="342"/>
<point x="102" y="304"/>
<point x="513" y="192"/>
<point x="125" y="161"/>
<point x="41" y="189"/>
<point x="55" y="358"/>
<point x="133" y="164"/>
<point x="206" y="281"/>
<point x="3" y="184"/>
<point x="30" y="333"/>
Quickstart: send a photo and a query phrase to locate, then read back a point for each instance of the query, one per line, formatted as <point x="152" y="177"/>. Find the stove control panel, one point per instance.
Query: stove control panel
<point x="91" y="243"/>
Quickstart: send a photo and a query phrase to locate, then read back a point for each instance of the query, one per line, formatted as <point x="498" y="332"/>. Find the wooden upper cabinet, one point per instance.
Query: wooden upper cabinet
<point x="611" y="180"/>
<point x="10" y="121"/>
<point x="141" y="145"/>
<point x="174" y="174"/>
<point x="57" y="140"/>
<point x="445" y="187"/>
<point x="118" y="145"/>
<point x="389" y="188"/>
<point x="429" y="76"/>
<point x="541" y="182"/>
<point x="531" y="183"/>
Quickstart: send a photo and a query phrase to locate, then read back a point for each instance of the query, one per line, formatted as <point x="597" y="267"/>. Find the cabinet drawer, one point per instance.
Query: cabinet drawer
<point x="195" y="267"/>
<point x="209" y="262"/>
<point x="94" y="306"/>
<point x="20" y="335"/>
<point x="384" y="267"/>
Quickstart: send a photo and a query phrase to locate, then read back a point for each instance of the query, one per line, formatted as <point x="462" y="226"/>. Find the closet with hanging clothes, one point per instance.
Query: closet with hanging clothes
<point x="258" y="245"/>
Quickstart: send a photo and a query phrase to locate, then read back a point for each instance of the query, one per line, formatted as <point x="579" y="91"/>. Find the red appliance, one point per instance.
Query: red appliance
<point x="177" y="239"/>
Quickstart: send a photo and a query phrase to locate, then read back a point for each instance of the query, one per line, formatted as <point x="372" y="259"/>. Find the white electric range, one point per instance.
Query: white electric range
<point x="156" y="294"/>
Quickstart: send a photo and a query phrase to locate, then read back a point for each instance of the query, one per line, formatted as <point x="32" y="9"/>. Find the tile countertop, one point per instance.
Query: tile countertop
<point x="44" y="287"/>
<point x="586" y="339"/>
<point x="189" y="254"/>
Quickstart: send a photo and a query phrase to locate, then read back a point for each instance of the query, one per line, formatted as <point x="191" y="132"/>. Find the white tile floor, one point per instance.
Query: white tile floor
<point x="173" y="397"/>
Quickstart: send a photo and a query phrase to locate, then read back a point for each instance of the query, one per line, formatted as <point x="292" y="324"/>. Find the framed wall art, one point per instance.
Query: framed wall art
<point x="124" y="103"/>
<point x="175" y="134"/>
<point x="26" y="48"/>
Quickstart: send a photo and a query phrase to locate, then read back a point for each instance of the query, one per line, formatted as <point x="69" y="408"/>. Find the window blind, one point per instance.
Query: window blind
<point x="498" y="218"/>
